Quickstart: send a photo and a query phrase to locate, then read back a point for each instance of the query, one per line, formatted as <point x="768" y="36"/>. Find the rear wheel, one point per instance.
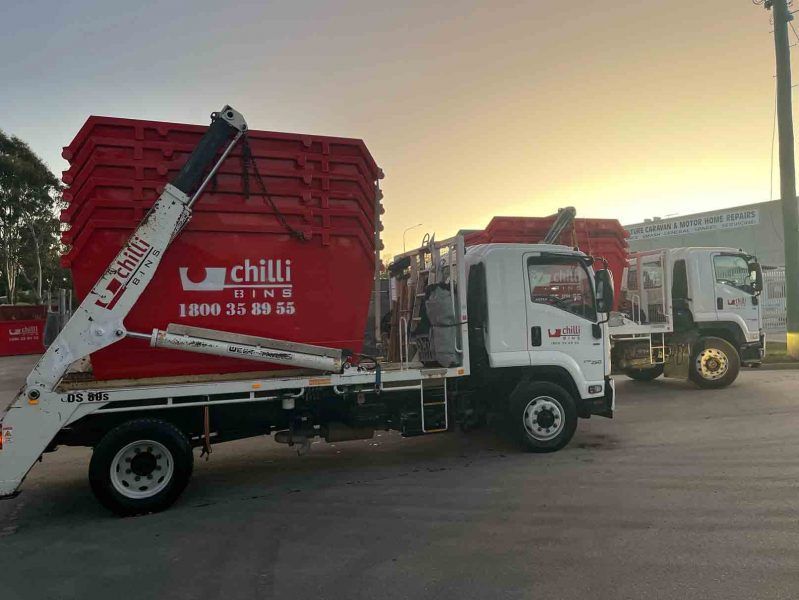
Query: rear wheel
<point x="543" y="416"/>
<point x="141" y="466"/>
<point x="715" y="363"/>
<point x="645" y="374"/>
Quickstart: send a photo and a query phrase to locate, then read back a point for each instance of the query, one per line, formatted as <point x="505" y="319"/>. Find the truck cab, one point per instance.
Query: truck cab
<point x="717" y="291"/>
<point x="689" y="312"/>
<point x="537" y="320"/>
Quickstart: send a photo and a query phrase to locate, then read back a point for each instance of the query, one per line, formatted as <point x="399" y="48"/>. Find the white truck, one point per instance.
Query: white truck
<point x="689" y="313"/>
<point x="519" y="329"/>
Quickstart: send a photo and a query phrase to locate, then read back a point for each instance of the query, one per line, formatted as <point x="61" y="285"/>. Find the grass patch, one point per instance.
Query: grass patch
<point x="777" y="352"/>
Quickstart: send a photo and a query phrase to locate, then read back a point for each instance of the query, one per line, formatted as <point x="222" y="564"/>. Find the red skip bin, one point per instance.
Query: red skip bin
<point x="295" y="265"/>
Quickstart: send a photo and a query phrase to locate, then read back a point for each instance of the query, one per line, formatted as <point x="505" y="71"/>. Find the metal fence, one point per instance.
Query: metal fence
<point x="773" y="300"/>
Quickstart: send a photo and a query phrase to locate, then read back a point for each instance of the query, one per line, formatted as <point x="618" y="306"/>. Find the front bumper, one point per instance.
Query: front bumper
<point x="753" y="352"/>
<point x="604" y="405"/>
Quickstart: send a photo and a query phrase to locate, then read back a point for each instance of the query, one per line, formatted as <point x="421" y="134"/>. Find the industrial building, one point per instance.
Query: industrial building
<point x="754" y="228"/>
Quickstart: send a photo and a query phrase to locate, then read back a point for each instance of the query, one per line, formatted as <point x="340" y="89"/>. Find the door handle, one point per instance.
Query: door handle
<point x="719" y="303"/>
<point x="535" y="336"/>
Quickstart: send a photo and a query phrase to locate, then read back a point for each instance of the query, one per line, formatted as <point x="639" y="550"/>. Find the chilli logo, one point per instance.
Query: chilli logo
<point x="266" y="273"/>
<point x="125" y="271"/>
<point x="736" y="302"/>
<point x="29" y="330"/>
<point x="570" y="331"/>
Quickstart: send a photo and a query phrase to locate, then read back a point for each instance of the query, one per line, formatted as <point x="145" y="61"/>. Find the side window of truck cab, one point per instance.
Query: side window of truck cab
<point x="562" y="282"/>
<point x="731" y="269"/>
<point x="680" y="301"/>
<point x="679" y="281"/>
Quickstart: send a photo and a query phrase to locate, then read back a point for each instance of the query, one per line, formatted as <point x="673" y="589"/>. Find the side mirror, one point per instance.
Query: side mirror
<point x="604" y="291"/>
<point x="756" y="275"/>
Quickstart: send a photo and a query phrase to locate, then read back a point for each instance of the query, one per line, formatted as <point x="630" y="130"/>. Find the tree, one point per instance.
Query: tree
<point x="40" y="265"/>
<point x="29" y="243"/>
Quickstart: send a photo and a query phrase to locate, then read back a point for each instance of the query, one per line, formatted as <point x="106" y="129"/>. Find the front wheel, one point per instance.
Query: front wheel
<point x="140" y="467"/>
<point x="543" y="416"/>
<point x="715" y="363"/>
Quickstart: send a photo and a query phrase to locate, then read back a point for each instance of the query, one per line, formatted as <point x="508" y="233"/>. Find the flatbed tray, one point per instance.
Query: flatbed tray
<point x="86" y="381"/>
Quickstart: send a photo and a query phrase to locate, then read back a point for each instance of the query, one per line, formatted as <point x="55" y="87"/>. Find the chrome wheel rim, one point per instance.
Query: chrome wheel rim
<point x="712" y="364"/>
<point x="142" y="469"/>
<point x="544" y="418"/>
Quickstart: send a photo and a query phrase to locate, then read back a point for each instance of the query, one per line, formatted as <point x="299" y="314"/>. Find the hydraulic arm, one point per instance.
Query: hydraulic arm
<point x="35" y="416"/>
<point x="98" y="321"/>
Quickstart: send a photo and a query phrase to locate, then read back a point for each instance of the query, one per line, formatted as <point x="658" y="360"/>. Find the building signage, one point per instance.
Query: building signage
<point x="732" y="219"/>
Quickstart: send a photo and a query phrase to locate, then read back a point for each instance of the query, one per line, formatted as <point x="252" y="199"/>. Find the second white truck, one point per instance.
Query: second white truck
<point x="689" y="313"/>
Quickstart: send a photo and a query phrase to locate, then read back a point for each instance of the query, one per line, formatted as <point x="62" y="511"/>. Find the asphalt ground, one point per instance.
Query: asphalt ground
<point x="685" y="494"/>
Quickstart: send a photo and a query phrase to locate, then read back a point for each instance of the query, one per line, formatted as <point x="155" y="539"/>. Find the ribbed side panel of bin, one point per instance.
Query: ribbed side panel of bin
<point x="294" y="263"/>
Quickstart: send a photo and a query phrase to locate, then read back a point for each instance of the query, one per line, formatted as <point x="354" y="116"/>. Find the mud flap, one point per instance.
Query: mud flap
<point x="608" y="406"/>
<point x="678" y="356"/>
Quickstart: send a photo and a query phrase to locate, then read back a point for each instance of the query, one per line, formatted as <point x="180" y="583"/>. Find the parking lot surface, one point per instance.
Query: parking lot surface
<point x="686" y="494"/>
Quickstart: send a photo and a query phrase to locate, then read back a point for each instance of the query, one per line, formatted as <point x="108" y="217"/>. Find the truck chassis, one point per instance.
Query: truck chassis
<point x="143" y="431"/>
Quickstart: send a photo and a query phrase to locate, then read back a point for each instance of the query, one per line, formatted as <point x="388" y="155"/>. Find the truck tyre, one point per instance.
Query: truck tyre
<point x="715" y="363"/>
<point x="645" y="374"/>
<point x="140" y="467"/>
<point x="543" y="416"/>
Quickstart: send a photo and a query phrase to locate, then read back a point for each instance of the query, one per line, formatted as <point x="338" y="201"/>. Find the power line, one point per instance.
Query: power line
<point x="796" y="35"/>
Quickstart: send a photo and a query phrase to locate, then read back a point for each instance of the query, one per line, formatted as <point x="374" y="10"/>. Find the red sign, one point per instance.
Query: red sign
<point x="21" y="337"/>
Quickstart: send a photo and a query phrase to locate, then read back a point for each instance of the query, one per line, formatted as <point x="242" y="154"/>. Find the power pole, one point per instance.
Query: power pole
<point x="790" y="210"/>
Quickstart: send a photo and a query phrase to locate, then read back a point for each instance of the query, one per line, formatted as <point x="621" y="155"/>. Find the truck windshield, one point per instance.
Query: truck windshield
<point x="562" y="282"/>
<point x="733" y="270"/>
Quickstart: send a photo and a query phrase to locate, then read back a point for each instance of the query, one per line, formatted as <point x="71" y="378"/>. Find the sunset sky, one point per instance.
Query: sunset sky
<point x="624" y="109"/>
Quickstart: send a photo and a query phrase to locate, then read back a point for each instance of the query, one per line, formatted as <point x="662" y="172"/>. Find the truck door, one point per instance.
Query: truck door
<point x="735" y="298"/>
<point x="561" y="315"/>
